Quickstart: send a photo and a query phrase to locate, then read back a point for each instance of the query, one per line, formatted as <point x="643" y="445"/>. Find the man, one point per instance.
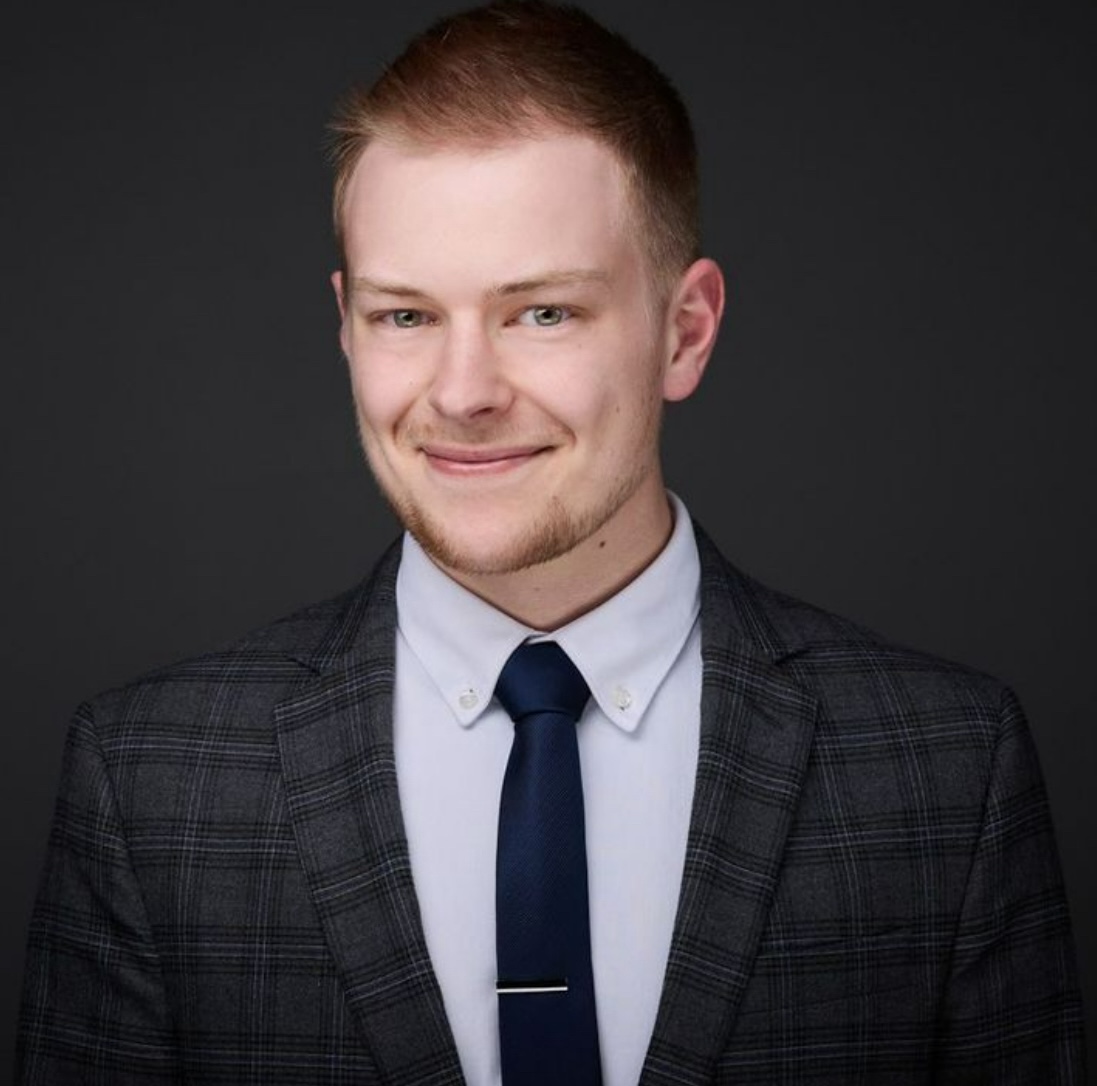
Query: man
<point x="804" y="855"/>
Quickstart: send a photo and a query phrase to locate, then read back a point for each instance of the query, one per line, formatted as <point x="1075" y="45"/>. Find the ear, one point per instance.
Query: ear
<point x="337" y="284"/>
<point x="692" y="323"/>
<point x="340" y="297"/>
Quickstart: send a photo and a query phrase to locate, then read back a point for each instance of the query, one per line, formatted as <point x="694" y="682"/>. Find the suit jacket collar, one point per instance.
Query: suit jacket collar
<point x="335" y="740"/>
<point x="335" y="743"/>
<point x="756" y="733"/>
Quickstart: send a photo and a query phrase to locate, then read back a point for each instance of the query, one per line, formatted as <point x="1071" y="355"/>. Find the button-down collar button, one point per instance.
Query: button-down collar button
<point x="621" y="697"/>
<point x="468" y="699"/>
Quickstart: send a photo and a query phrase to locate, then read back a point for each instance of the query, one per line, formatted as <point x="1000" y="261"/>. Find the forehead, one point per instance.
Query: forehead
<point x="557" y="198"/>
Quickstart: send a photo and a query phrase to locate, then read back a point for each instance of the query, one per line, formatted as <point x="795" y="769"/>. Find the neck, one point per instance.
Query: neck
<point x="551" y="594"/>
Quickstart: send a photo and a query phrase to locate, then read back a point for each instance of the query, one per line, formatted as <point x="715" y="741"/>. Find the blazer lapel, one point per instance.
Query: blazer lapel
<point x="335" y="741"/>
<point x="756" y="733"/>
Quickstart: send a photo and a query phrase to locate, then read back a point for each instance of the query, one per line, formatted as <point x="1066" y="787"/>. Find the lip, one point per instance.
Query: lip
<point x="468" y="460"/>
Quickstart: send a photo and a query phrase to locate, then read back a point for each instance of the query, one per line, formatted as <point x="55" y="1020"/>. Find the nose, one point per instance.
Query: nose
<point x="468" y="379"/>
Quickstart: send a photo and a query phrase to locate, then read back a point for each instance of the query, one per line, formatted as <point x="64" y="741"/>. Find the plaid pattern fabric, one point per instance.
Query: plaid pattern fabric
<point x="871" y="892"/>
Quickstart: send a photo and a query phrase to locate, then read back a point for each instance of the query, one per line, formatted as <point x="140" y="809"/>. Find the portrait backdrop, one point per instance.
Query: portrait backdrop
<point x="897" y="423"/>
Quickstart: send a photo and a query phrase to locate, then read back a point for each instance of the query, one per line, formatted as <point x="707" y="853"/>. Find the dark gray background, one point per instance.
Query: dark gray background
<point x="897" y="424"/>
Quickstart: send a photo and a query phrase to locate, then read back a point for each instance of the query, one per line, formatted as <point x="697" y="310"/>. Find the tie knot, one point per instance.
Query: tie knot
<point x="539" y="678"/>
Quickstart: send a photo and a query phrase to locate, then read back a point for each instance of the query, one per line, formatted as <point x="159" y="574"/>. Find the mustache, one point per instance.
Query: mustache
<point x="474" y="434"/>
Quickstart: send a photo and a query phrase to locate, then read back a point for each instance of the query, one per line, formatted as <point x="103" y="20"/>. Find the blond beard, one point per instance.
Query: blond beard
<point x="554" y="533"/>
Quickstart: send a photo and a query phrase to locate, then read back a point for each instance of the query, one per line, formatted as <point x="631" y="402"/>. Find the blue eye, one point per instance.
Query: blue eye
<point x="544" y="316"/>
<point x="406" y="318"/>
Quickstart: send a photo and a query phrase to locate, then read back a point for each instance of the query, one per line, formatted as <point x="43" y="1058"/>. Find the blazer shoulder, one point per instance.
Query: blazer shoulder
<point x="254" y="671"/>
<point x="837" y="658"/>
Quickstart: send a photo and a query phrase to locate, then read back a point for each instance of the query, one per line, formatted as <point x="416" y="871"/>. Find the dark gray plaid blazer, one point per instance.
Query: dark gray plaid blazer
<point x="871" y="890"/>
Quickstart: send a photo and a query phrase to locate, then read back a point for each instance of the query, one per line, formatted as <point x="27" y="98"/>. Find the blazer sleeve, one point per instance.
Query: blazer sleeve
<point x="1012" y="1010"/>
<point x="94" y="1009"/>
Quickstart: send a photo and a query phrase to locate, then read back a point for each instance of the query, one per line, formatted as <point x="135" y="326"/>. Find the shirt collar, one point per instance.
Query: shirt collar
<point x="624" y="648"/>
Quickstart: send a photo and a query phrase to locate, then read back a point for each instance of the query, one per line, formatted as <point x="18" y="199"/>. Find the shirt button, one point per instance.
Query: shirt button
<point x="468" y="699"/>
<point x="621" y="697"/>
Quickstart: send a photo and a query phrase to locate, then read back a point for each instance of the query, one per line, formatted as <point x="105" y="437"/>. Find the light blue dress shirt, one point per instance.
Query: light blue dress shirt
<point x="640" y="653"/>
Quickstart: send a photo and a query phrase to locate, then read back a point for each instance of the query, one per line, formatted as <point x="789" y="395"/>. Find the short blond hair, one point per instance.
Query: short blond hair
<point x="518" y="67"/>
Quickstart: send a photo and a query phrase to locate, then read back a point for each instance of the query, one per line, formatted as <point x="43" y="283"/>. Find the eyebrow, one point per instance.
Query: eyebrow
<point x="548" y="280"/>
<point x="576" y="278"/>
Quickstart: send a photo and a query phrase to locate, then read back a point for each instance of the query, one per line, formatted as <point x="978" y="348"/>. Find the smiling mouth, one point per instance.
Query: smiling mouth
<point x="480" y="461"/>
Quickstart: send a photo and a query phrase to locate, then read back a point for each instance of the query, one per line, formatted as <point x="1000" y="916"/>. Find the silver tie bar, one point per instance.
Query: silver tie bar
<point x="530" y="987"/>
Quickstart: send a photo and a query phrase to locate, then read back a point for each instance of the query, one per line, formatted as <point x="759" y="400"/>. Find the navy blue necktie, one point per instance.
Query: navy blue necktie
<point x="548" y="1031"/>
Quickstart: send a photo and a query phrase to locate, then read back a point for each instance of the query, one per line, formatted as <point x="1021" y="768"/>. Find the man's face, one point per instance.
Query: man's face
<point x="506" y="353"/>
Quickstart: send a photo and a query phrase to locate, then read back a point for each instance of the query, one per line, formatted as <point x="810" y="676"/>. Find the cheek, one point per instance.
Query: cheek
<point x="630" y="395"/>
<point x="585" y="409"/>
<point x="381" y="394"/>
<point x="611" y="399"/>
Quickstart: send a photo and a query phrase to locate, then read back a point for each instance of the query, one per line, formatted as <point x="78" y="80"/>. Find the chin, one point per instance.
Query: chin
<point x="497" y="551"/>
<point x="508" y="540"/>
<point x="554" y="531"/>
